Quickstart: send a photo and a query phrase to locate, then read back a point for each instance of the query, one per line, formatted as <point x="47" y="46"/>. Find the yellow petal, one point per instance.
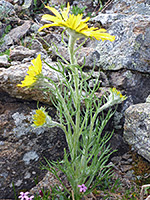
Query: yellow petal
<point x="50" y="18"/>
<point x="39" y="118"/>
<point x="28" y="81"/>
<point x="82" y="27"/>
<point x="77" y="21"/>
<point x="37" y="64"/>
<point x="65" y="12"/>
<point x="50" y="25"/>
<point x="86" y="19"/>
<point x="53" y="10"/>
<point x="45" y="26"/>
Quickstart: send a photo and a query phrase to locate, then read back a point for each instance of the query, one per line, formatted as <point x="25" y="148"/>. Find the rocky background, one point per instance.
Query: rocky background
<point x="124" y="64"/>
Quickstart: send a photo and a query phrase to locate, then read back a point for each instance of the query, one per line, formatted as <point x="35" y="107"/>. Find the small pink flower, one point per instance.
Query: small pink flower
<point x="23" y="195"/>
<point x="82" y="187"/>
<point x="30" y="198"/>
<point x="41" y="193"/>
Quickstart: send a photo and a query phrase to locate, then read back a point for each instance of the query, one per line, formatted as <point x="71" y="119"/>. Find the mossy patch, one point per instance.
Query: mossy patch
<point x="141" y="169"/>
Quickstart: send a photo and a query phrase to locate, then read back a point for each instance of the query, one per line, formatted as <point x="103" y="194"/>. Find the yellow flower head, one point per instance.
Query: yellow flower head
<point x="40" y="117"/>
<point x="117" y="94"/>
<point x="33" y="71"/>
<point x="75" y="24"/>
<point x="115" y="97"/>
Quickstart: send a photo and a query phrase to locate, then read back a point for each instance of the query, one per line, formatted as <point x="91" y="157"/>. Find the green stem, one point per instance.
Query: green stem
<point x="72" y="40"/>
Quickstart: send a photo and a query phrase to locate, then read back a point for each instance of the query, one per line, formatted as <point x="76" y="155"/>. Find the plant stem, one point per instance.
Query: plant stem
<point x="72" y="40"/>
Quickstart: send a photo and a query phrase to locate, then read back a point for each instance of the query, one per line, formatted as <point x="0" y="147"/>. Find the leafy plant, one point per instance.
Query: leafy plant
<point x="76" y="10"/>
<point x="82" y="114"/>
<point x="7" y="52"/>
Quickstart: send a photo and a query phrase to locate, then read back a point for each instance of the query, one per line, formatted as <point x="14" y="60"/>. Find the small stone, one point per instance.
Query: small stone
<point x="116" y="159"/>
<point x="126" y="156"/>
<point x="130" y="175"/>
<point x="18" y="183"/>
<point x="17" y="33"/>
<point x="125" y="168"/>
<point x="148" y="99"/>
<point x="4" y="61"/>
<point x="27" y="175"/>
<point x="27" y="4"/>
<point x="32" y="155"/>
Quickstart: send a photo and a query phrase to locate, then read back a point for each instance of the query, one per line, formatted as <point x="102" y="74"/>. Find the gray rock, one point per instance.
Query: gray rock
<point x="135" y="85"/>
<point x="23" y="147"/>
<point x="38" y="47"/>
<point x="148" y="99"/>
<point x="17" y="33"/>
<point x="34" y="27"/>
<point x="107" y="19"/>
<point x="20" y="52"/>
<point x="18" y="2"/>
<point x="9" y="78"/>
<point x="130" y="7"/>
<point x="27" y="4"/>
<point x="125" y="168"/>
<point x="6" y="9"/>
<point x="4" y="61"/>
<point x="29" y="156"/>
<point x="57" y="2"/>
<point x="137" y="128"/>
<point x="131" y="49"/>
<point x="2" y="31"/>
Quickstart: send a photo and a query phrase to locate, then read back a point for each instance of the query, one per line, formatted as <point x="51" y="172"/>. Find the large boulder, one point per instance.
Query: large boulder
<point x="137" y="128"/>
<point x="10" y="77"/>
<point x="131" y="49"/>
<point x="24" y="148"/>
<point x="129" y="7"/>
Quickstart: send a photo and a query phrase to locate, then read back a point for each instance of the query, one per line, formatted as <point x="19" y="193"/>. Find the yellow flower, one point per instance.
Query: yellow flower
<point x="33" y="71"/>
<point x="118" y="94"/>
<point x="40" y="117"/>
<point x="75" y="24"/>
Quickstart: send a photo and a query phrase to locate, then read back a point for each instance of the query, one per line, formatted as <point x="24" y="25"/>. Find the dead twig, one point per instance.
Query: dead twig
<point x="106" y="5"/>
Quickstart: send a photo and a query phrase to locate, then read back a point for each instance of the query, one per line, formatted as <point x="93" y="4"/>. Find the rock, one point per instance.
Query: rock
<point x="9" y="78"/>
<point x="6" y="9"/>
<point x="131" y="48"/>
<point x="135" y="85"/>
<point x="148" y="99"/>
<point x="129" y="21"/>
<point x="34" y="27"/>
<point x="2" y="30"/>
<point x="23" y="147"/>
<point x="125" y="168"/>
<point x="137" y="128"/>
<point x="107" y="19"/>
<point x="17" y="33"/>
<point x="4" y="61"/>
<point x="27" y="4"/>
<point x="57" y="2"/>
<point x="20" y="52"/>
<point x="116" y="159"/>
<point x="130" y="175"/>
<point x="38" y="47"/>
<point x="129" y="7"/>
<point x="127" y="156"/>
